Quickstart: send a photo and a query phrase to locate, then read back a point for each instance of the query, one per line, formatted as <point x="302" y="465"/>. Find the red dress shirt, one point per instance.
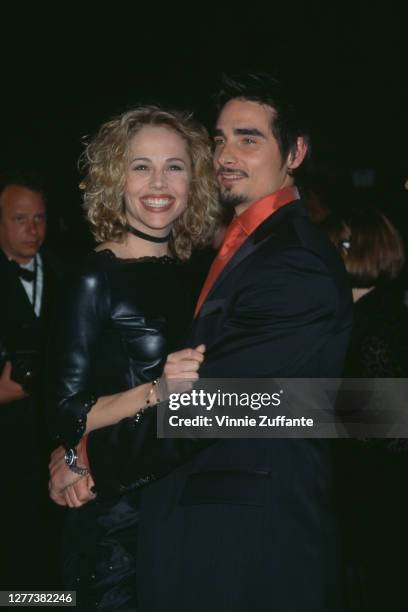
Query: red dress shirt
<point x="238" y="231"/>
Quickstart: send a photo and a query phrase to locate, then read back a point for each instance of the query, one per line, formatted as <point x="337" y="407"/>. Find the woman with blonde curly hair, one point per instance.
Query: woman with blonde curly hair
<point x="149" y="195"/>
<point x="106" y="159"/>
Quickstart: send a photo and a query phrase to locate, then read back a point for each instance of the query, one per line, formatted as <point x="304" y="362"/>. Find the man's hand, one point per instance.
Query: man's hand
<point x="10" y="391"/>
<point x="67" y="488"/>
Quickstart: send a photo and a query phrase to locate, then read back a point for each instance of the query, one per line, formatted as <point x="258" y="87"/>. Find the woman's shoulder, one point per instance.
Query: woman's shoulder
<point x="102" y="258"/>
<point x="86" y="283"/>
<point x="382" y="309"/>
<point x="91" y="271"/>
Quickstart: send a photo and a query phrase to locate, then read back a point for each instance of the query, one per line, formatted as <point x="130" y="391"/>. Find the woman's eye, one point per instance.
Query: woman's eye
<point x="175" y="168"/>
<point x="218" y="142"/>
<point x="140" y="168"/>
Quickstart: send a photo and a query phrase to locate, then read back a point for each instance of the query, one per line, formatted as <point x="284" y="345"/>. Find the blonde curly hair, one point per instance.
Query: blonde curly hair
<point x="105" y="161"/>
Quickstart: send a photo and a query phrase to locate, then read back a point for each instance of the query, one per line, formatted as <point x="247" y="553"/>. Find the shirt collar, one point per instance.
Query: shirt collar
<point x="260" y="210"/>
<point x="29" y="265"/>
<point x="26" y="266"/>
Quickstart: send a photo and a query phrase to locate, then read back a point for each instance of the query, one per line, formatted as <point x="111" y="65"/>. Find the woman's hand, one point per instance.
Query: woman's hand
<point x="60" y="476"/>
<point x="184" y="364"/>
<point x="79" y="493"/>
<point x="67" y="488"/>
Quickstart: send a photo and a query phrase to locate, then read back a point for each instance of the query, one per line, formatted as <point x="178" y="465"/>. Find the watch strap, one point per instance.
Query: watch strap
<point x="71" y="458"/>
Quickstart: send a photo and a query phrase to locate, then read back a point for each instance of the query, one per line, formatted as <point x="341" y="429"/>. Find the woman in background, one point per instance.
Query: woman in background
<point x="373" y="254"/>
<point x="372" y="473"/>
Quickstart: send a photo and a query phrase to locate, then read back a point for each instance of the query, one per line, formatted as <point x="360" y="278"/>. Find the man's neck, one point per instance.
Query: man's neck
<point x="22" y="261"/>
<point x="240" y="208"/>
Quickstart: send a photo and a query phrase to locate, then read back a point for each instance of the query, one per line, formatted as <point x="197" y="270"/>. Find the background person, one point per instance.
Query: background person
<point x="28" y="277"/>
<point x="374" y="256"/>
<point x="372" y="473"/>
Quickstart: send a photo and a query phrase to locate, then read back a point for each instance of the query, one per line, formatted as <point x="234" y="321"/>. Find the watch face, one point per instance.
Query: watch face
<point x="70" y="456"/>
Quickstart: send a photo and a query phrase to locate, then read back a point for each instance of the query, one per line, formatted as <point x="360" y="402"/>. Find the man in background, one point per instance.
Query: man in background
<point x="28" y="284"/>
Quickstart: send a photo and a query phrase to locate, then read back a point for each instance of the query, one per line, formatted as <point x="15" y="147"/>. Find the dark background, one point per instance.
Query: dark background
<point x="67" y="70"/>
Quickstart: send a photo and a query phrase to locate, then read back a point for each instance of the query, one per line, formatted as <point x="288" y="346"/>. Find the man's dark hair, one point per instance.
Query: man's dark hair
<point x="287" y="123"/>
<point x="29" y="179"/>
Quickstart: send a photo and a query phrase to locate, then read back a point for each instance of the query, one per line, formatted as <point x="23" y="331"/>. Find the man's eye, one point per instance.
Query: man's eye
<point x="249" y="140"/>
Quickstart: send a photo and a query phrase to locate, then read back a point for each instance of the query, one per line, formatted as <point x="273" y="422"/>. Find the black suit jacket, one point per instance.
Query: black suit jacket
<point x="245" y="524"/>
<point x="28" y="551"/>
<point x="22" y="330"/>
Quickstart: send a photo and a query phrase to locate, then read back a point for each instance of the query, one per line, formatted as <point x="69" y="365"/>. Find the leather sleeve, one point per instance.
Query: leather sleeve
<point x="81" y="317"/>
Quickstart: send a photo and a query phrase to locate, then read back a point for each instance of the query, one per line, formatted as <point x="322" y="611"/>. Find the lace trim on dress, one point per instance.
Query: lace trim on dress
<point x="151" y="258"/>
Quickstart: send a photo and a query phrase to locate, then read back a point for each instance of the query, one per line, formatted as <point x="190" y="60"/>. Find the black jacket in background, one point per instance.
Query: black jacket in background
<point x="28" y="536"/>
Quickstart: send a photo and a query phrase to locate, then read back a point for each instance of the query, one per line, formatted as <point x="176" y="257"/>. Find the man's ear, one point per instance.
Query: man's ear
<point x="296" y="157"/>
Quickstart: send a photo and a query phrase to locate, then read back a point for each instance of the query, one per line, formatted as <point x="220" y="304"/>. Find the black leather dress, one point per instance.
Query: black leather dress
<point x="118" y="321"/>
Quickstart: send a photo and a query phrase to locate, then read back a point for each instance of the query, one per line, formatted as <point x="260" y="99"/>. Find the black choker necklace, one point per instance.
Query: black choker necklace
<point x="139" y="234"/>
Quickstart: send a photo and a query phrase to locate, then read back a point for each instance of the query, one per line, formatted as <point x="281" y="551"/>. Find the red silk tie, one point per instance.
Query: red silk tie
<point x="234" y="237"/>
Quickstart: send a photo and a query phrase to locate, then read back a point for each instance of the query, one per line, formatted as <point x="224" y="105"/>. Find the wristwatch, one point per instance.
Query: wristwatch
<point x="71" y="459"/>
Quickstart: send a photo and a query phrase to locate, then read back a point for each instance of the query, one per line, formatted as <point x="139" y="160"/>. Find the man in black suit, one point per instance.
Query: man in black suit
<point x="245" y="524"/>
<point x="28" y="280"/>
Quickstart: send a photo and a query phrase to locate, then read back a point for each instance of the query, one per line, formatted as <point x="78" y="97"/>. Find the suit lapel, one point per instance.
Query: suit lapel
<point x="50" y="276"/>
<point x="248" y="247"/>
<point x="19" y="301"/>
<point x="266" y="231"/>
<point x="45" y="298"/>
<point x="22" y="303"/>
